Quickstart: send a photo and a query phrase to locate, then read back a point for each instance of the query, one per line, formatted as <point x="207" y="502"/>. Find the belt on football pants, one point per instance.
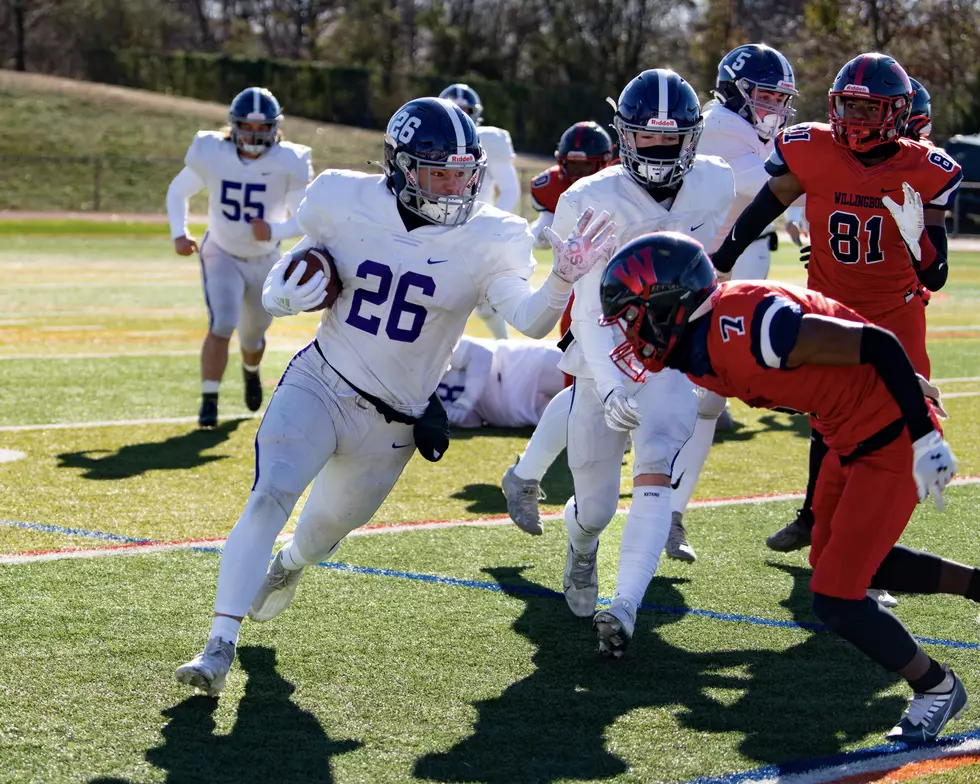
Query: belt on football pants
<point x="390" y="414"/>
<point x="566" y="340"/>
<point x="879" y="440"/>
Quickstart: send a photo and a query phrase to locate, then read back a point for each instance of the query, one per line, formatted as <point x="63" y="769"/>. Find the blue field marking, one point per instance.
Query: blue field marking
<point x="814" y="764"/>
<point x="484" y="585"/>
<point x="58" y="529"/>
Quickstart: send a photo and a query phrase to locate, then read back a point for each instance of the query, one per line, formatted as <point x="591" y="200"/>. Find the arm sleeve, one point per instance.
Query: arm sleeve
<point x="313" y="214"/>
<point x="289" y="228"/>
<point x="477" y="362"/>
<point x="505" y="176"/>
<point x="596" y="341"/>
<point x="184" y="185"/>
<point x="934" y="268"/>
<point x="763" y="210"/>
<point x="881" y="349"/>
<point x="537" y="229"/>
<point x="533" y="312"/>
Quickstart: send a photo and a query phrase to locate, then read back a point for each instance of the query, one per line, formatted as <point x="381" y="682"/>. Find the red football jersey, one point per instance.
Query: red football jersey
<point x="753" y="328"/>
<point x="858" y="256"/>
<point x="547" y="187"/>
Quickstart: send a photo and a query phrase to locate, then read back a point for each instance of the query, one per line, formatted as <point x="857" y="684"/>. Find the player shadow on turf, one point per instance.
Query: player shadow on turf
<point x="810" y="699"/>
<point x="805" y="700"/>
<point x="181" y="452"/>
<point x="796" y="424"/>
<point x="273" y="739"/>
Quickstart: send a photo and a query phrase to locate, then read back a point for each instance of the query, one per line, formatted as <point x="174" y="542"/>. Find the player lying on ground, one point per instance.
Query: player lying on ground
<point x="415" y="253"/>
<point x="780" y="346"/>
<point x="500" y="383"/>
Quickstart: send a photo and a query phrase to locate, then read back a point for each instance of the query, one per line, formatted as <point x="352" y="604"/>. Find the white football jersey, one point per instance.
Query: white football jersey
<point x="511" y="389"/>
<point x="698" y="209"/>
<point x="241" y="189"/>
<point x="733" y="138"/>
<point x="500" y="169"/>
<point x="406" y="295"/>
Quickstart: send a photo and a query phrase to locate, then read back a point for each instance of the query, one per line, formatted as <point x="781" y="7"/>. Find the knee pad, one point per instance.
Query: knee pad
<point x="710" y="404"/>
<point x="655" y="455"/>
<point x="267" y="490"/>
<point x="221" y="326"/>
<point x="591" y="513"/>
<point x="267" y="503"/>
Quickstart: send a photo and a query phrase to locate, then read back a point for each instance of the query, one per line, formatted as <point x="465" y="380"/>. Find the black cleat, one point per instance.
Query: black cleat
<point x="208" y="415"/>
<point x="928" y="713"/>
<point x="794" y="536"/>
<point x="253" y="390"/>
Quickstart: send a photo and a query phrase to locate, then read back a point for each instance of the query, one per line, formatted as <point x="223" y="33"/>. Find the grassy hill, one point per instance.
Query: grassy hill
<point x="70" y="145"/>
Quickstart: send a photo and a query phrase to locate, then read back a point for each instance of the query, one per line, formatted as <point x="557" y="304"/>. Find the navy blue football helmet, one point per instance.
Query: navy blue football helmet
<point x="465" y="98"/>
<point x="433" y="160"/>
<point x="584" y="142"/>
<point x="650" y="289"/>
<point x="752" y="67"/>
<point x="875" y="81"/>
<point x="919" y="125"/>
<point x="658" y="102"/>
<point x="255" y="105"/>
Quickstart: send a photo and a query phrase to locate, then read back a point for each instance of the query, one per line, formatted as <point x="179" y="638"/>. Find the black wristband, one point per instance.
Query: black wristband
<point x="934" y="276"/>
<point x="881" y="349"/>
<point x="763" y="210"/>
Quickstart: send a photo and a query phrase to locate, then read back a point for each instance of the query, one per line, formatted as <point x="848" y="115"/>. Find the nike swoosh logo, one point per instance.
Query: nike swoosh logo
<point x="265" y="174"/>
<point x="695" y="228"/>
<point x="436" y="261"/>
<point x="732" y="235"/>
<point x="675" y="485"/>
<point x="398" y="446"/>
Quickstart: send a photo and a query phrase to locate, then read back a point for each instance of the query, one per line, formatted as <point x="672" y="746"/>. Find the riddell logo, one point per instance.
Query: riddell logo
<point x="461" y="159"/>
<point x="856" y="88"/>
<point x="653" y="122"/>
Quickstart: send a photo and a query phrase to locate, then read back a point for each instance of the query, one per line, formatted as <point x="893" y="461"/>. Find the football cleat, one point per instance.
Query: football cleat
<point x="253" y="390"/>
<point x="276" y="593"/>
<point x="677" y="545"/>
<point x="794" y="536"/>
<point x="614" y="628"/>
<point x="883" y="598"/>
<point x="208" y="670"/>
<point x="928" y="713"/>
<point x="581" y="582"/>
<point x="522" y="500"/>
<point x="208" y="415"/>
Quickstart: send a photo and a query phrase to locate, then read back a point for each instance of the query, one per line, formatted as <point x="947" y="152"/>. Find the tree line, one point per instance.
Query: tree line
<point x="567" y="52"/>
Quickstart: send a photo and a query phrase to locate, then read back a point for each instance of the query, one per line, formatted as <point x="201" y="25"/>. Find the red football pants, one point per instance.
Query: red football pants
<point x="860" y="511"/>
<point x="909" y="326"/>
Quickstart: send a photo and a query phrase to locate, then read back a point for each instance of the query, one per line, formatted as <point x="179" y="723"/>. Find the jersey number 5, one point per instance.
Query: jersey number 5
<point x="845" y="241"/>
<point x="239" y="205"/>
<point x="399" y="306"/>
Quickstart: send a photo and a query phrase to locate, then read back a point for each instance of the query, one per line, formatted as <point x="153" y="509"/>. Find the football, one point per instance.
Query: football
<point x="319" y="260"/>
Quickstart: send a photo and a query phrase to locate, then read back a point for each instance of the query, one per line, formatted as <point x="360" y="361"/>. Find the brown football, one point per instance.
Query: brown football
<point x="319" y="260"/>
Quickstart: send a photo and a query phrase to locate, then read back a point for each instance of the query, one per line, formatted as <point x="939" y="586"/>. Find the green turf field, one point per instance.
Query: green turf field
<point x="433" y="655"/>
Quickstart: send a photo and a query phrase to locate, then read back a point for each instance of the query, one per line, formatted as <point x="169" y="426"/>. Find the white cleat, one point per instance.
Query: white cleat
<point x="614" y="628"/>
<point x="581" y="582"/>
<point x="522" y="500"/>
<point x="208" y="670"/>
<point x="883" y="598"/>
<point x="276" y="593"/>
<point x="678" y="547"/>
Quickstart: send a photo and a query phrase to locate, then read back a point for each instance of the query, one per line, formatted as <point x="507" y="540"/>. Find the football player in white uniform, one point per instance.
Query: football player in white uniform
<point x="754" y="93"/>
<point x="501" y="186"/>
<point x="254" y="179"/>
<point x="662" y="183"/>
<point x="415" y="253"/>
<point x="503" y="383"/>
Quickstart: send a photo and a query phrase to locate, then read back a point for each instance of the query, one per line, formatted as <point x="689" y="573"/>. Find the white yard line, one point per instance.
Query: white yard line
<point x="114" y="423"/>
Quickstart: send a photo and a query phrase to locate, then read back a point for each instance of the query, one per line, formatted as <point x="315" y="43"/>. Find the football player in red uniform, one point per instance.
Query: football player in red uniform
<point x="774" y="345"/>
<point x="875" y="202"/>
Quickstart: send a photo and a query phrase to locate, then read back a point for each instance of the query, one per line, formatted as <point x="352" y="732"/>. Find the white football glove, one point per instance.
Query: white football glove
<point x="287" y="297"/>
<point x="933" y="466"/>
<point x="934" y="393"/>
<point x="621" y="411"/>
<point x="591" y="242"/>
<point x="457" y="412"/>
<point x="909" y="218"/>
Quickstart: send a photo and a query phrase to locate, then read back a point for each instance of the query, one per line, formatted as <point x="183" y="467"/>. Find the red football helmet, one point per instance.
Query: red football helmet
<point x="870" y="102"/>
<point x="584" y="143"/>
